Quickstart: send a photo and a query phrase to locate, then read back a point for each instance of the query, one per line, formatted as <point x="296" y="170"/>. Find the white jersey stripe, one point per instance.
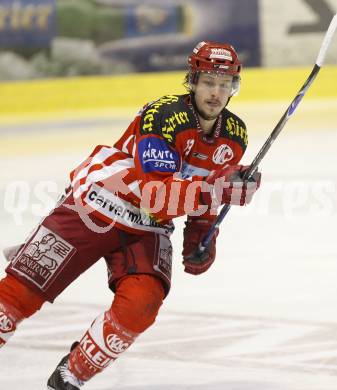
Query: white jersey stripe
<point x="135" y="189"/>
<point x="125" y="145"/>
<point x="102" y="174"/>
<point x="99" y="158"/>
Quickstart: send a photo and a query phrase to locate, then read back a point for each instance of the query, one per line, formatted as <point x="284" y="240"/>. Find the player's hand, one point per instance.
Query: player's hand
<point x="195" y="230"/>
<point x="226" y="186"/>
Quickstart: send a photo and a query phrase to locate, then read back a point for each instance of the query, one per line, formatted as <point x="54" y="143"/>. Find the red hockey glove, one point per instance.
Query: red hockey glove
<point x="226" y="186"/>
<point x="195" y="230"/>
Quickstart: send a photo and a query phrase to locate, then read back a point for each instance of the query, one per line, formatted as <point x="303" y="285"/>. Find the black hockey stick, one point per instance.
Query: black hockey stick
<point x="274" y="134"/>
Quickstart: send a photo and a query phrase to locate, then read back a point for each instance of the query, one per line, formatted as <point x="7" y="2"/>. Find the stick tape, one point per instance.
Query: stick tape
<point x="326" y="41"/>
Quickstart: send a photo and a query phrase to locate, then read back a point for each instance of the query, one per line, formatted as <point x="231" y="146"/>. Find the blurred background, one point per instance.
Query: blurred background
<point x="135" y="51"/>
<point x="74" y="57"/>
<point x="48" y="38"/>
<point x="54" y="40"/>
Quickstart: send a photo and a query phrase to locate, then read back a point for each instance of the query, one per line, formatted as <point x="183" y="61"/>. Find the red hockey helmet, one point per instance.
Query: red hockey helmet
<point x="215" y="57"/>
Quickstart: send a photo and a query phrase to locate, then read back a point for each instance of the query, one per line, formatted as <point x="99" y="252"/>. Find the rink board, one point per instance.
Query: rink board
<point x="116" y="95"/>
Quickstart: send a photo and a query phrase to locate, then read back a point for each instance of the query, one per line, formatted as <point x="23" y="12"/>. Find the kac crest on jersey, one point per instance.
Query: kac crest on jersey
<point x="222" y="154"/>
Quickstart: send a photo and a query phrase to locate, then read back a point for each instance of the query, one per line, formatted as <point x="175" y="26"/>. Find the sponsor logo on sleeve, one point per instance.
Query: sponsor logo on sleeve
<point x="171" y="123"/>
<point x="152" y="112"/>
<point x="156" y="156"/>
<point x="155" y="121"/>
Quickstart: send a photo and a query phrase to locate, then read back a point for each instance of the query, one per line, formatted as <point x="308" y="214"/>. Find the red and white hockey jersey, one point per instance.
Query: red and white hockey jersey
<point x="153" y="173"/>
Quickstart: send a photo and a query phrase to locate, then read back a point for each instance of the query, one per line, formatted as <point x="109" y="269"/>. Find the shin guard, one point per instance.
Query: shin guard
<point x="105" y="340"/>
<point x="134" y="309"/>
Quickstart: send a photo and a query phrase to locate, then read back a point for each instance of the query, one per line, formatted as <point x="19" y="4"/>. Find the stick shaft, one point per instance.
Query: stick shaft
<point x="276" y="131"/>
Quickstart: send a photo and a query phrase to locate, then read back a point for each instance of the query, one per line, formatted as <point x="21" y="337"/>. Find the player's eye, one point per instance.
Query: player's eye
<point x="209" y="83"/>
<point x="226" y="85"/>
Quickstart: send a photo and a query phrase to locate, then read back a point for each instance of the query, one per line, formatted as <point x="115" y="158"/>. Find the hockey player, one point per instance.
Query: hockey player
<point x="179" y="156"/>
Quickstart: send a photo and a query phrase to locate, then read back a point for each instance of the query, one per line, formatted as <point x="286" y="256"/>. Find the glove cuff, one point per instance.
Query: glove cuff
<point x="205" y="219"/>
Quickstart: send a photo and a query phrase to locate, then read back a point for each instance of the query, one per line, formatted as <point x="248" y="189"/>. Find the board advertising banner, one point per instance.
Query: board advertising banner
<point x="292" y="31"/>
<point x="26" y="23"/>
<point x="159" y="36"/>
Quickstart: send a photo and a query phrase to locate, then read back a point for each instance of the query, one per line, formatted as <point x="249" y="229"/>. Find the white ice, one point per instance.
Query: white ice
<point x="264" y="317"/>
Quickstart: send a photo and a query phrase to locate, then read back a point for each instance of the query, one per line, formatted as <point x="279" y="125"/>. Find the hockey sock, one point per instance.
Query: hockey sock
<point x="16" y="303"/>
<point x="102" y="343"/>
<point x="135" y="307"/>
<point x="9" y="319"/>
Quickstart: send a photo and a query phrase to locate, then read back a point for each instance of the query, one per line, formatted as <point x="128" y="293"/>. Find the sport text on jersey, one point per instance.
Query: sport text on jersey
<point x="156" y="155"/>
<point x="152" y="121"/>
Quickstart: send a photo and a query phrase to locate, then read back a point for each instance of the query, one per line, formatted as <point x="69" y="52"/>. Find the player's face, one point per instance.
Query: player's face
<point x="211" y="94"/>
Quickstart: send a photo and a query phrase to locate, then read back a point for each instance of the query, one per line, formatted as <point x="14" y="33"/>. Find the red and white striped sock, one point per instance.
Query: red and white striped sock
<point x="103" y="343"/>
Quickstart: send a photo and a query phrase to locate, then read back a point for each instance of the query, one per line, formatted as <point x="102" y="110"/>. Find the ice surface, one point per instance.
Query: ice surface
<point x="262" y="318"/>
